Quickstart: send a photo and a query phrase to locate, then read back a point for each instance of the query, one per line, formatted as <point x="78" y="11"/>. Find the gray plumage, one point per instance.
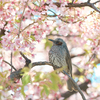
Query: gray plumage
<point x="59" y="56"/>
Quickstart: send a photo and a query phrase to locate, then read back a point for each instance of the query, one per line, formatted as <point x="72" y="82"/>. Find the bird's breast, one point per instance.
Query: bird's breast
<point x="57" y="57"/>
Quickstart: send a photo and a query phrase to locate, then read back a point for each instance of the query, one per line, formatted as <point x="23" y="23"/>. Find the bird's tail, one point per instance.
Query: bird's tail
<point x="71" y="86"/>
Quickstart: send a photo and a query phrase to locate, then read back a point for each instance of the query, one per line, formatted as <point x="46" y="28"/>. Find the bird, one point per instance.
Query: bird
<point x="60" y="57"/>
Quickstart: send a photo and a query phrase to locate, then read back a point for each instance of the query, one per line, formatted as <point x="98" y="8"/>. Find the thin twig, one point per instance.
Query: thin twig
<point x="72" y="1"/>
<point x="75" y="85"/>
<point x="89" y="1"/>
<point x="72" y="56"/>
<point x="27" y="27"/>
<point x="59" y="35"/>
<point x="27" y="61"/>
<point x="95" y="8"/>
<point x="11" y="62"/>
<point x="22" y="17"/>
<point x="96" y="2"/>
<point x="73" y="21"/>
<point x="10" y="65"/>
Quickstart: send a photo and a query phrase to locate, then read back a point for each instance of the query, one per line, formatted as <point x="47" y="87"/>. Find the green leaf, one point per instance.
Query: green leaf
<point x="46" y="89"/>
<point x="70" y="1"/>
<point x="5" y="73"/>
<point x="55" y="86"/>
<point x="45" y="0"/>
<point x="95" y="65"/>
<point x="48" y="83"/>
<point x="26" y="80"/>
<point x="90" y="39"/>
<point x="37" y="77"/>
<point x="30" y="65"/>
<point x="47" y="43"/>
<point x="42" y="91"/>
<point x="80" y="69"/>
<point x="1" y="87"/>
<point x="17" y="20"/>
<point x="55" y="81"/>
<point x="87" y="51"/>
<point x="55" y="78"/>
<point x="25" y="70"/>
<point x="32" y="37"/>
<point x="16" y="53"/>
<point x="22" y="91"/>
<point x="81" y="78"/>
<point x="1" y="74"/>
<point x="76" y="0"/>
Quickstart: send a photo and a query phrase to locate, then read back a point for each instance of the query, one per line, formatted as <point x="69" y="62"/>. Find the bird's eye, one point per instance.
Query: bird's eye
<point x="58" y="43"/>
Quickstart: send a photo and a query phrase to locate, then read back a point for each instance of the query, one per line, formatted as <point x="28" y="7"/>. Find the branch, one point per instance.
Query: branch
<point x="85" y="4"/>
<point x="10" y="65"/>
<point x="68" y="36"/>
<point x="11" y="62"/>
<point x="78" y="88"/>
<point x="95" y="8"/>
<point x="27" y="61"/>
<point x="96" y="2"/>
<point x="72" y="1"/>
<point x="61" y="16"/>
<point x="72" y="56"/>
<point x="73" y="21"/>
<point x="27" y="27"/>
<point x="2" y="30"/>
<point x="89" y="1"/>
<point x="16" y="74"/>
<point x="22" y="17"/>
<point x="83" y="87"/>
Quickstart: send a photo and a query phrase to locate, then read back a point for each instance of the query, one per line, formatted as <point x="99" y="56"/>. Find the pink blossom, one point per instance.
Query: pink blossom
<point x="21" y="59"/>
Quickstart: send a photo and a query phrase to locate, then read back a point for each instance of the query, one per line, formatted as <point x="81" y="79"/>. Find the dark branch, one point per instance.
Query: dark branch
<point x="41" y="63"/>
<point x="85" y="4"/>
<point x="27" y="61"/>
<point x="55" y="67"/>
<point x="95" y="8"/>
<point x="10" y="65"/>
<point x="72" y="1"/>
<point x="82" y="86"/>
<point x="96" y="2"/>
<point x="11" y="62"/>
<point x="89" y="1"/>
<point x="68" y="36"/>
<point x="78" y="88"/>
<point x="69" y="4"/>
<point x="17" y="74"/>
<point x="72" y="56"/>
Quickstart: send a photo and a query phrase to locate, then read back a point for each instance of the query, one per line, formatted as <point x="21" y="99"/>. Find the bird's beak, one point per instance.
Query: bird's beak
<point x="51" y="40"/>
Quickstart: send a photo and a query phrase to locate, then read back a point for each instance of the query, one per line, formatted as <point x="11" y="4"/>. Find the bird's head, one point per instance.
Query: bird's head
<point x="58" y="41"/>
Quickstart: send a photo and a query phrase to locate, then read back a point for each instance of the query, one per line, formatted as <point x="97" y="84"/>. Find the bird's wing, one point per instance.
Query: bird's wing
<point x="68" y="60"/>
